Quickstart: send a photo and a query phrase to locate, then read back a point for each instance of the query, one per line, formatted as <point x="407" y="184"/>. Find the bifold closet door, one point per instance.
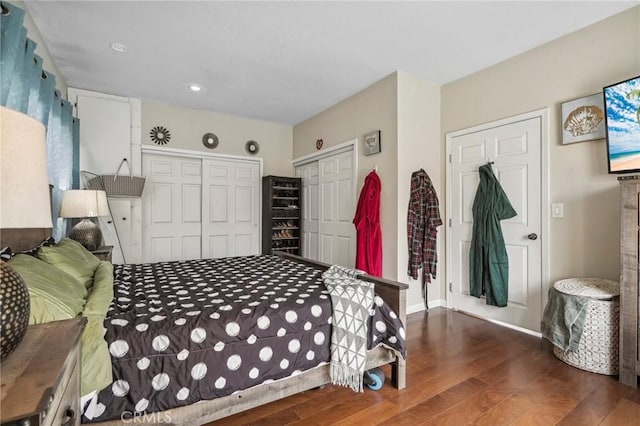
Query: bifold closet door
<point x="171" y="208"/>
<point x="310" y="209"/>
<point x="337" y="243"/>
<point x="329" y="201"/>
<point x="230" y="208"/>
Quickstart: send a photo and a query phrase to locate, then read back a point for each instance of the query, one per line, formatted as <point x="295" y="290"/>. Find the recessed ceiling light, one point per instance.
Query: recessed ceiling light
<point x="195" y="87"/>
<point x="118" y="47"/>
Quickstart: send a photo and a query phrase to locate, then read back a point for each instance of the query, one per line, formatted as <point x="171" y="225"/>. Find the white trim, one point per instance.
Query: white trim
<point x="73" y="93"/>
<point x="329" y="152"/>
<point x="503" y="324"/>
<point x="419" y="307"/>
<point x="175" y="152"/>
<point x="543" y="115"/>
<point x="545" y="208"/>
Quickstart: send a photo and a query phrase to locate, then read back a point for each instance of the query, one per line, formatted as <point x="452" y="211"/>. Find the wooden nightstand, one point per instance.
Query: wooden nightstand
<point x="103" y="253"/>
<point x="41" y="378"/>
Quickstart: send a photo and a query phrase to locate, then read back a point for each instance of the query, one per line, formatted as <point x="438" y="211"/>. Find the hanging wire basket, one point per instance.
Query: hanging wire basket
<point x="118" y="185"/>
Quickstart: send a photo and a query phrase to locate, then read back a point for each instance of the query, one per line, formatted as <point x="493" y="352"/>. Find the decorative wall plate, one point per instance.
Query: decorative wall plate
<point x="252" y="147"/>
<point x="210" y="140"/>
<point x="160" y="135"/>
<point x="319" y="143"/>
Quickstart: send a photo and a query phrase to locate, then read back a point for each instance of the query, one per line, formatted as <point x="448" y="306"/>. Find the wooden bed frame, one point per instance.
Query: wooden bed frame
<point x="394" y="293"/>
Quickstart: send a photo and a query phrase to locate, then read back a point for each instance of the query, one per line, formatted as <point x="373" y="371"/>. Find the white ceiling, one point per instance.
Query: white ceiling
<point x="286" y="61"/>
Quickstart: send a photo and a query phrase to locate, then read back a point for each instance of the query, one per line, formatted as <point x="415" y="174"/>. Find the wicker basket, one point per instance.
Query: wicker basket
<point x="598" y="348"/>
<point x="118" y="185"/>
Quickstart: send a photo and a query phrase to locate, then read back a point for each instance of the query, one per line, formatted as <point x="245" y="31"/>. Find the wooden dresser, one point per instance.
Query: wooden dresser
<point x="629" y="262"/>
<point x="41" y="378"/>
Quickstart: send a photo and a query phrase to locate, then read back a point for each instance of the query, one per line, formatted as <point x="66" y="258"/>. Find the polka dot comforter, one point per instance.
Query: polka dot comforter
<point x="181" y="332"/>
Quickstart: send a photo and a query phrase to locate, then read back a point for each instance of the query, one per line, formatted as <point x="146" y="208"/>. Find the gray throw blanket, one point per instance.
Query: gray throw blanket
<point x="563" y="319"/>
<point x="352" y="300"/>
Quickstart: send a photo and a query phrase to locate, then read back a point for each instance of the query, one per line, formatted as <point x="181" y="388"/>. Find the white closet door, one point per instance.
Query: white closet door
<point x="172" y="205"/>
<point x="337" y="208"/>
<point x="230" y="208"/>
<point x="310" y="209"/>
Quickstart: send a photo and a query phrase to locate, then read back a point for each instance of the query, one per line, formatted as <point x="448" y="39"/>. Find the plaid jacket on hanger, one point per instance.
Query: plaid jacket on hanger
<point x="423" y="219"/>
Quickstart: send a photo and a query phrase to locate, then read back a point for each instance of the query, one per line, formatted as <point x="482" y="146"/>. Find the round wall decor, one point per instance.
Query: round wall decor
<point x="210" y="140"/>
<point x="319" y="143"/>
<point x="160" y="135"/>
<point x="252" y="147"/>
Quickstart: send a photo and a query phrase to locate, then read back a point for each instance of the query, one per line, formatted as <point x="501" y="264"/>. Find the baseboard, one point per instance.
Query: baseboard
<point x="504" y="324"/>
<point x="418" y="307"/>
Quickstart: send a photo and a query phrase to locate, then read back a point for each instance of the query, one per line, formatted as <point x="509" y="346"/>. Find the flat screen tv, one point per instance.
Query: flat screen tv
<point x="622" y="118"/>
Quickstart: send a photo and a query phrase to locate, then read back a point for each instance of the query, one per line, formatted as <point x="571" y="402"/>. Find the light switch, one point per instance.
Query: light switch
<point x="557" y="210"/>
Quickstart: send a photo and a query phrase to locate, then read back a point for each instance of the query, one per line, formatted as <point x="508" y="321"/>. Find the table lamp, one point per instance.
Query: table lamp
<point x="24" y="203"/>
<point x="85" y="204"/>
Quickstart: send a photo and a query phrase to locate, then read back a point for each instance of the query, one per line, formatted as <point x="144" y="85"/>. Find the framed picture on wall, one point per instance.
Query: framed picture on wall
<point x="371" y="143"/>
<point x="583" y="119"/>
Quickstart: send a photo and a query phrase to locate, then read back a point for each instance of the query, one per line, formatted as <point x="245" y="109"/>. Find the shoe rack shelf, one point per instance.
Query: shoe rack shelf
<point x="281" y="214"/>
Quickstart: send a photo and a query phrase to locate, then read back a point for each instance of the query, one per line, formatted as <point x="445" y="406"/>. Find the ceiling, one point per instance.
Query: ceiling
<point x="286" y="61"/>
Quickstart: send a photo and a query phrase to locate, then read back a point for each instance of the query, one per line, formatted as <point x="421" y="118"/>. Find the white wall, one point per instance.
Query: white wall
<point x="407" y="111"/>
<point x="187" y="126"/>
<point x="374" y="108"/>
<point x="586" y="241"/>
<point x="419" y="146"/>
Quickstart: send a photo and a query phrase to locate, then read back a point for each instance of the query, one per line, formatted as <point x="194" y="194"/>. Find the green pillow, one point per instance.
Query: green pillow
<point x="96" y="360"/>
<point x="72" y="258"/>
<point x="54" y="294"/>
<point x="101" y="293"/>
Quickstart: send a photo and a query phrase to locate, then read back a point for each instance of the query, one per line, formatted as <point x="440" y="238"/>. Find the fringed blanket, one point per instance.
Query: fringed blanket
<point x="352" y="300"/>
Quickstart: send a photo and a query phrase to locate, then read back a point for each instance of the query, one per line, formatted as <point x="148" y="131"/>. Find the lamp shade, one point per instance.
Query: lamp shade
<point x="84" y="203"/>
<point x="24" y="185"/>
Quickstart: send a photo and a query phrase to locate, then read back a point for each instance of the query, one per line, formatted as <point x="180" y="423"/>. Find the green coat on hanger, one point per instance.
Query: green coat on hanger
<point x="488" y="261"/>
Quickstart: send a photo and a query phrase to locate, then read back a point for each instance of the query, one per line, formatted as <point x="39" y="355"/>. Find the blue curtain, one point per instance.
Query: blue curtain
<point x="26" y="87"/>
<point x="13" y="38"/>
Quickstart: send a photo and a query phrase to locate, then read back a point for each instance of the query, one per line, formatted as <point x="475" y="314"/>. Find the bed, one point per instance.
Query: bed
<point x="147" y="310"/>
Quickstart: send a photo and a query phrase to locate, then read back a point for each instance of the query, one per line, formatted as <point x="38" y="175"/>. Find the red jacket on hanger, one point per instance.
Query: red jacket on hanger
<point x="367" y="222"/>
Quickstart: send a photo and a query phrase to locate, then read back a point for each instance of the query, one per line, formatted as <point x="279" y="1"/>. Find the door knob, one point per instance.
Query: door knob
<point x="532" y="236"/>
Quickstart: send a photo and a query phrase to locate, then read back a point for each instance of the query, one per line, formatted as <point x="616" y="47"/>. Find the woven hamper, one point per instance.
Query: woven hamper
<point x="118" y="185"/>
<point x="598" y="348"/>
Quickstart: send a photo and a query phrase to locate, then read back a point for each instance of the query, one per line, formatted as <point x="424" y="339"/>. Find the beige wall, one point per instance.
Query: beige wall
<point x="188" y="125"/>
<point x="418" y="147"/>
<point x="586" y="241"/>
<point x="374" y="108"/>
<point x="41" y="49"/>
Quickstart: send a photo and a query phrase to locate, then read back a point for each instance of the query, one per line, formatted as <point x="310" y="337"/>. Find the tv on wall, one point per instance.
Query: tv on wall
<point x="622" y="118"/>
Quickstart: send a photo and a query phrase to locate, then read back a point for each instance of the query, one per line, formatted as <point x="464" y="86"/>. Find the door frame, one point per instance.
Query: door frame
<point x="175" y="152"/>
<point x="543" y="115"/>
<point x="349" y="145"/>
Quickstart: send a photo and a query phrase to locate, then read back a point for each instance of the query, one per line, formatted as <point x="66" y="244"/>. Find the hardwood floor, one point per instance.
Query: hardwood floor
<point x="462" y="370"/>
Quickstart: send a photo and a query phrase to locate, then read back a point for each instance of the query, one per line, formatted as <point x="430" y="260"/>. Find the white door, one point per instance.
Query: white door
<point x="230" y="208"/>
<point x="515" y="149"/>
<point x="310" y="210"/>
<point x="171" y="208"/>
<point x="103" y="145"/>
<point x="337" y="207"/>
